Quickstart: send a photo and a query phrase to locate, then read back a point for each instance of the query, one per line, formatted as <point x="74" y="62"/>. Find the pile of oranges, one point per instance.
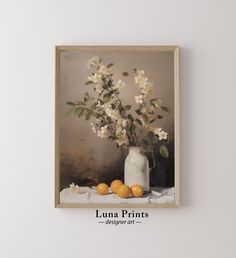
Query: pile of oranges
<point x="122" y="190"/>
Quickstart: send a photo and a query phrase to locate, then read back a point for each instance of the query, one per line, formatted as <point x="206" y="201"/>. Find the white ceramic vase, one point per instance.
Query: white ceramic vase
<point x="137" y="168"/>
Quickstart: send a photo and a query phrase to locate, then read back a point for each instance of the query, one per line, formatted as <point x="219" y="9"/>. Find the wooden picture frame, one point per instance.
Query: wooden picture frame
<point x="173" y="49"/>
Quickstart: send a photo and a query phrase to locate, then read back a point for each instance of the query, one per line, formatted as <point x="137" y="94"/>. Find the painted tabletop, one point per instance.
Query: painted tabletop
<point x="88" y="195"/>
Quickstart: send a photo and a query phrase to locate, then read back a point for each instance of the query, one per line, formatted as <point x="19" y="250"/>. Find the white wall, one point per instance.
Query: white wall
<point x="205" y="224"/>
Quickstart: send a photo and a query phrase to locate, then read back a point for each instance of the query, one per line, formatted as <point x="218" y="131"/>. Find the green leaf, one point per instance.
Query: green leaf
<point x="125" y="74"/>
<point x="105" y="87"/>
<point x="72" y="110"/>
<point x="159" y="116"/>
<point x="78" y="111"/>
<point x="130" y="117"/>
<point x="98" y="115"/>
<point x="87" y="95"/>
<point x="109" y="65"/>
<point x="153" y="105"/>
<point x="150" y="137"/>
<point x="153" y="100"/>
<point x="88" y="115"/>
<point x="165" y="108"/>
<point x="93" y="106"/>
<point x="88" y="82"/>
<point x="164" y="151"/>
<point x="145" y="117"/>
<point x="70" y="103"/>
<point x="138" y="121"/>
<point x="112" y="137"/>
<point x="106" y="97"/>
<point x="132" y="128"/>
<point x="127" y="107"/>
<point x="80" y="103"/>
<point x="138" y="111"/>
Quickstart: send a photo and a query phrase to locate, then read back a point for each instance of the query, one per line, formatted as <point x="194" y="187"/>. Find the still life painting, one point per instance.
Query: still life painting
<point x="117" y="126"/>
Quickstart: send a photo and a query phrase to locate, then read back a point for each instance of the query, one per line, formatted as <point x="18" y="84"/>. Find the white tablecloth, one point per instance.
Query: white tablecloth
<point x="88" y="195"/>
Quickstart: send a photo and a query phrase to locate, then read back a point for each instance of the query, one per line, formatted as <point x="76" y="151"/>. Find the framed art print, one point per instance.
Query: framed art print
<point x="117" y="126"/>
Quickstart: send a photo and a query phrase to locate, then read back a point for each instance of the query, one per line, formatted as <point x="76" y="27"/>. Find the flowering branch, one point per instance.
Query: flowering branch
<point x="112" y="119"/>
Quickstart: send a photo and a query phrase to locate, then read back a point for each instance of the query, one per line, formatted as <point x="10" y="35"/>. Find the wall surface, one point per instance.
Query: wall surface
<point x="204" y="226"/>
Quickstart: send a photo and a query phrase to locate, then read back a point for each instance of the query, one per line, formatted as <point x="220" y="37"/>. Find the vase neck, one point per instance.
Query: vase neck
<point x="135" y="149"/>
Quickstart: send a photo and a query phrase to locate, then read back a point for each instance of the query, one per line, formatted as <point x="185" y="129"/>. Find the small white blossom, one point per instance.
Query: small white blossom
<point x="103" y="70"/>
<point x="118" y="130"/>
<point x="119" y="85"/>
<point x="93" y="127"/>
<point x="99" y="88"/>
<point x="95" y="78"/>
<point x="74" y="188"/>
<point x="113" y="114"/>
<point x="147" y="89"/>
<point x="144" y="110"/>
<point x="124" y="122"/>
<point x="140" y="79"/>
<point x="122" y="139"/>
<point x="113" y="99"/>
<point x="102" y="132"/>
<point x="162" y="135"/>
<point x="99" y="104"/>
<point x="155" y="130"/>
<point x="99" y="120"/>
<point x="139" y="99"/>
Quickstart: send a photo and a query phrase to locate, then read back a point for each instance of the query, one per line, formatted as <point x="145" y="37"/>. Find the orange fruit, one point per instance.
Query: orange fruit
<point x="137" y="190"/>
<point x="115" y="185"/>
<point x="102" y="189"/>
<point x="123" y="191"/>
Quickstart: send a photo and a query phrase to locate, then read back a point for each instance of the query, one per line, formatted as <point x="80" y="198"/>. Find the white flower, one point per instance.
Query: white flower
<point x="118" y="130"/>
<point x="99" y="88"/>
<point x="113" y="99"/>
<point x="147" y="89"/>
<point x="94" y="62"/>
<point x="122" y="139"/>
<point x="119" y="85"/>
<point x="99" y="105"/>
<point x="139" y="99"/>
<point x="162" y="135"/>
<point x="140" y="79"/>
<point x="113" y="114"/>
<point x="124" y="122"/>
<point x="99" y="120"/>
<point x="155" y="130"/>
<point x="95" y="78"/>
<point x="156" y="103"/>
<point x="103" y="70"/>
<point x="93" y="127"/>
<point x="102" y="132"/>
<point x="143" y="122"/>
<point x="74" y="188"/>
<point x="144" y="110"/>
